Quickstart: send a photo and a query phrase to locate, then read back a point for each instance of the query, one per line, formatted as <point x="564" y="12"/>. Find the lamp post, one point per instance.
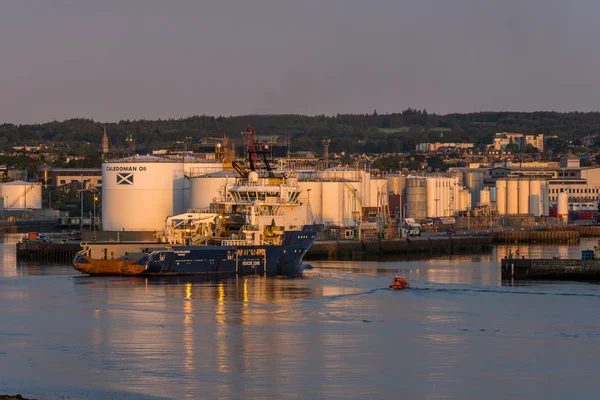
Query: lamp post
<point x="468" y="216"/>
<point x="308" y="208"/>
<point x="94" y="220"/>
<point x="81" y="200"/>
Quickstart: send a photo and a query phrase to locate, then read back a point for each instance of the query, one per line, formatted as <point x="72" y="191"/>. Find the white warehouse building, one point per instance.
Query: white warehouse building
<point x="140" y="192"/>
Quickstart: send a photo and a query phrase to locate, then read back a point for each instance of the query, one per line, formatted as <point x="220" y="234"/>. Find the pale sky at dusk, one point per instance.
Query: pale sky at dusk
<point x="130" y="59"/>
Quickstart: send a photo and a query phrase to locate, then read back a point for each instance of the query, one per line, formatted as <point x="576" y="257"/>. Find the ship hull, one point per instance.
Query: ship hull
<point x="191" y="260"/>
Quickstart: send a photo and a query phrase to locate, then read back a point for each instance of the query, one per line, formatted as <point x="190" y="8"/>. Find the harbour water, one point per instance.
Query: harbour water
<point x="335" y="332"/>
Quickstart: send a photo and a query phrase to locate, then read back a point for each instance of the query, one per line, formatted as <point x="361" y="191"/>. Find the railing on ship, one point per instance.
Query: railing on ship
<point x="236" y="242"/>
<point x="266" y="201"/>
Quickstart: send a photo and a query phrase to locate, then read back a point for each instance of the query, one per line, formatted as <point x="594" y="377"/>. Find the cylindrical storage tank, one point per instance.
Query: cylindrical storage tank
<point x="416" y="198"/>
<point x="204" y="189"/>
<point x="562" y="211"/>
<point x="501" y="197"/>
<point x="20" y="195"/>
<point x="140" y="192"/>
<point x="473" y="180"/>
<point x="523" y="197"/>
<point x="493" y="193"/>
<point x="512" y="197"/>
<point x="433" y="193"/>
<point x="484" y="197"/>
<point x="466" y="199"/>
<point x="545" y="198"/>
<point x="310" y="192"/>
<point x="378" y="192"/>
<point x="444" y="197"/>
<point x="332" y="198"/>
<point x="396" y="183"/>
<point x="535" y="198"/>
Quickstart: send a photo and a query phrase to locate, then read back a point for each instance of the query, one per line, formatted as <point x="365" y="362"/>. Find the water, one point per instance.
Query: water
<point x="337" y="332"/>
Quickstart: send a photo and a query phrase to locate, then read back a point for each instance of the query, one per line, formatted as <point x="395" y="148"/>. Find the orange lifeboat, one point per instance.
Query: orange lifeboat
<point x="400" y="282"/>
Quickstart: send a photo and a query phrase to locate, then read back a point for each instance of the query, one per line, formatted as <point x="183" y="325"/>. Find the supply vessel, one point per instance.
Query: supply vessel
<point x="256" y="224"/>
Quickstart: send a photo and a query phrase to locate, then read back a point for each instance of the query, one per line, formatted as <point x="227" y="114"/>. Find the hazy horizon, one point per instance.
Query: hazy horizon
<point x="146" y="59"/>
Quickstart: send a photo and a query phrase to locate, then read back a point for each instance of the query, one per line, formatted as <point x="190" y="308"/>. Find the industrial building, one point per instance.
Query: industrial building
<point x="55" y="177"/>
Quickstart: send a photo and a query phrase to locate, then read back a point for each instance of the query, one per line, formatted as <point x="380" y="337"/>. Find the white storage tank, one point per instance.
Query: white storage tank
<point x="523" y="197"/>
<point x="396" y="183"/>
<point x="433" y="196"/>
<point x="378" y="189"/>
<point x="311" y="193"/>
<point x="140" y="192"/>
<point x="416" y="198"/>
<point x="332" y="197"/>
<point x="206" y="188"/>
<point x="562" y="211"/>
<point x="493" y="197"/>
<point x="501" y="197"/>
<point x="468" y="200"/>
<point x="20" y="195"/>
<point x="535" y="198"/>
<point x="512" y="197"/>
<point x="473" y="180"/>
<point x="484" y="197"/>
<point x="545" y="198"/>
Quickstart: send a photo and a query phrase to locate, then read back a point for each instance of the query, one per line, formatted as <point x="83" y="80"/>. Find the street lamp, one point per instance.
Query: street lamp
<point x="468" y="216"/>
<point x="94" y="220"/>
<point x="81" y="200"/>
<point x="308" y="208"/>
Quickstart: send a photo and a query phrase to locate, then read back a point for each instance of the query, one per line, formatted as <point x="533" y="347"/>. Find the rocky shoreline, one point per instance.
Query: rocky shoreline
<point x="15" y="397"/>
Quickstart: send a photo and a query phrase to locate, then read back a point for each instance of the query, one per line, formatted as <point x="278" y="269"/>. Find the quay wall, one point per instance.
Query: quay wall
<point x="47" y="252"/>
<point x="536" y="236"/>
<point x="342" y="250"/>
<point x="552" y="269"/>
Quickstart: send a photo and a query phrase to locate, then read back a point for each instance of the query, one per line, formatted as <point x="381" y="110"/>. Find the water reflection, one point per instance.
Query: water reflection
<point x="336" y="332"/>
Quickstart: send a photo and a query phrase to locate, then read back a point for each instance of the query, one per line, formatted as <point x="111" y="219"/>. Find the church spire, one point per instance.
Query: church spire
<point x="104" y="142"/>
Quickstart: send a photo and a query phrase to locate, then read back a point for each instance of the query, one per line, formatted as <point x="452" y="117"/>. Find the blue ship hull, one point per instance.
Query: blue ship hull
<point x="190" y="260"/>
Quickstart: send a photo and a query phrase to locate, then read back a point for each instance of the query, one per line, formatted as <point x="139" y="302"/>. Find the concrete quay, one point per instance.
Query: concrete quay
<point x="550" y="269"/>
<point x="345" y="250"/>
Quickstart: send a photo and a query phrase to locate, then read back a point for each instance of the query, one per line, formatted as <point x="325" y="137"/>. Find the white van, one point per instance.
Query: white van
<point x="414" y="230"/>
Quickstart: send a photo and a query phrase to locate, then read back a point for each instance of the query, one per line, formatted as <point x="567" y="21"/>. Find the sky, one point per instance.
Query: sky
<point x="131" y="59"/>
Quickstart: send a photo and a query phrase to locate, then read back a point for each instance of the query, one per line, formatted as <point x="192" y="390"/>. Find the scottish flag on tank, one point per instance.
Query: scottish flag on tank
<point x="125" y="179"/>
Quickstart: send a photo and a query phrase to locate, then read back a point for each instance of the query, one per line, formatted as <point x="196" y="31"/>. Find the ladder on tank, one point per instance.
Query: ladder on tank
<point x="23" y="195"/>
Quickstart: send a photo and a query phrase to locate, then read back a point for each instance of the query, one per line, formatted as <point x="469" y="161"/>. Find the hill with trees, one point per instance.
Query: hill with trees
<point x="350" y="133"/>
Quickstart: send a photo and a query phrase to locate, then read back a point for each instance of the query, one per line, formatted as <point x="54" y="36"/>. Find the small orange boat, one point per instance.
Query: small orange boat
<point x="400" y="282"/>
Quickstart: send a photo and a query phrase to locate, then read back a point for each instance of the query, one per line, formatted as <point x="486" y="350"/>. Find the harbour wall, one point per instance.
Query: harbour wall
<point x="47" y="252"/>
<point x="550" y="269"/>
<point x="340" y="250"/>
